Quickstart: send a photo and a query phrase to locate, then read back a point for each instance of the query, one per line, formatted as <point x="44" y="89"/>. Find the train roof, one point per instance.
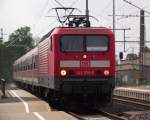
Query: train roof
<point x="30" y="53"/>
<point x="78" y="30"/>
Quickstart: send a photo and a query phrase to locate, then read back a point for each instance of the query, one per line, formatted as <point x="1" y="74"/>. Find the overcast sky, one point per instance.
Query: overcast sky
<point x="17" y="13"/>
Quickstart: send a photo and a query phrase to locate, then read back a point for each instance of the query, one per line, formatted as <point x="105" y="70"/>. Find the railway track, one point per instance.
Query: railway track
<point x="105" y="115"/>
<point x="112" y="116"/>
<point x="145" y="105"/>
<point x="77" y="116"/>
<point x="102" y="115"/>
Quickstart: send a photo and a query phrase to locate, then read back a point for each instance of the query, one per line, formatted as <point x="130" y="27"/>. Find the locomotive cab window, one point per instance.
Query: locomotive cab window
<point x="72" y="43"/>
<point x="96" y="43"/>
<point x="82" y="43"/>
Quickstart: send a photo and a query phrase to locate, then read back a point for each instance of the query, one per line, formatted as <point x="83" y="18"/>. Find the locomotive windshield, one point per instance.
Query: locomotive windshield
<point x="89" y="43"/>
<point x="72" y="43"/>
<point x="96" y="43"/>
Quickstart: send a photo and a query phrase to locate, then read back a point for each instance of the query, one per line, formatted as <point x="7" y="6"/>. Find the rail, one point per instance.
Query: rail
<point x="111" y="116"/>
<point x="76" y="116"/>
<point x="134" y="101"/>
<point x="105" y="114"/>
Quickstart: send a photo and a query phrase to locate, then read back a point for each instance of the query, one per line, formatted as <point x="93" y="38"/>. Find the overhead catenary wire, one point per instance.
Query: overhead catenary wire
<point x="41" y="14"/>
<point x="147" y="6"/>
<point x="59" y="3"/>
<point x="126" y="16"/>
<point x="43" y="8"/>
<point x="74" y="2"/>
<point x="121" y="7"/>
<point x="107" y="6"/>
<point x="53" y="22"/>
<point x="136" y="6"/>
<point x="101" y="17"/>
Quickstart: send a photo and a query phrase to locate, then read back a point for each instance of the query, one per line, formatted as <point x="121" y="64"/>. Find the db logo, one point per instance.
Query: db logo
<point x="85" y="64"/>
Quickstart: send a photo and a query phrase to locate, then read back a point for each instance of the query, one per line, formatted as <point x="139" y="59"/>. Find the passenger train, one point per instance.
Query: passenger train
<point x="71" y="63"/>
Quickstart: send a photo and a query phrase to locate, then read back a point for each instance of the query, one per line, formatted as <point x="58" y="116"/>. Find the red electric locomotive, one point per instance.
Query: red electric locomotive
<point x="71" y="63"/>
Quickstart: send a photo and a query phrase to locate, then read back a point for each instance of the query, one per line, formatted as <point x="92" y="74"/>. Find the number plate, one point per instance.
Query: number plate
<point x="84" y="63"/>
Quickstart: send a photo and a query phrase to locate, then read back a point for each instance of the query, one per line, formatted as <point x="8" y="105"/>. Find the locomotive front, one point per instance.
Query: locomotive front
<point x="85" y="63"/>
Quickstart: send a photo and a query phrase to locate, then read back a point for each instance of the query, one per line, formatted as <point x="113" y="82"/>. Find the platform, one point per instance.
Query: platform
<point x="22" y="105"/>
<point x="139" y="93"/>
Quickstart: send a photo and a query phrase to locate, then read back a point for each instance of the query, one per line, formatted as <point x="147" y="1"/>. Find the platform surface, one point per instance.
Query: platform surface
<point x="135" y="88"/>
<point x="22" y="105"/>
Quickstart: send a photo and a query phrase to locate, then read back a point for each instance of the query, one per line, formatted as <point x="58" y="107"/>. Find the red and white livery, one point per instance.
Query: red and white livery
<point x="71" y="62"/>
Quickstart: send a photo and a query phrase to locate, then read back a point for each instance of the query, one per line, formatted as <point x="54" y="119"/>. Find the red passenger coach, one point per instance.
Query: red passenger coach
<point x="71" y="63"/>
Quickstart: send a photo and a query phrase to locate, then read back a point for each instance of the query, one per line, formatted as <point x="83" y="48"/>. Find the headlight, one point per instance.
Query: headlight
<point x="106" y="72"/>
<point x="63" y="72"/>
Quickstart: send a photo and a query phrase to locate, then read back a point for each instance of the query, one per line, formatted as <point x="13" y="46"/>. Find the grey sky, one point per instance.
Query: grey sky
<point x="17" y="13"/>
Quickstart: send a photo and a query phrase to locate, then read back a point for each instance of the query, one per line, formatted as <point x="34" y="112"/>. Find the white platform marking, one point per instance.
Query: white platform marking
<point x="38" y="115"/>
<point x="25" y="104"/>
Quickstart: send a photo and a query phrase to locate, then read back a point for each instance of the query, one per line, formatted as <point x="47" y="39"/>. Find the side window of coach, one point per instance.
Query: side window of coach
<point x="35" y="62"/>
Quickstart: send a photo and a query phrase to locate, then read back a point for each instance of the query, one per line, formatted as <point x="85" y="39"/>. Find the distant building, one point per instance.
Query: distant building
<point x="130" y="71"/>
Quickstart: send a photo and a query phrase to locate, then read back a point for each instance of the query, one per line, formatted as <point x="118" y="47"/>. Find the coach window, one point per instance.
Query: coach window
<point x="34" y="65"/>
<point x="18" y="67"/>
<point x="31" y="66"/>
<point x="23" y="66"/>
<point x="26" y="67"/>
<point x="70" y="43"/>
<point x="35" y="61"/>
<point x="97" y="43"/>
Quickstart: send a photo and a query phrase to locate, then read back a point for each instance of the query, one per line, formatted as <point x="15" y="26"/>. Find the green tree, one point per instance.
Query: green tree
<point x="1" y="59"/>
<point x="1" y="41"/>
<point x="19" y="42"/>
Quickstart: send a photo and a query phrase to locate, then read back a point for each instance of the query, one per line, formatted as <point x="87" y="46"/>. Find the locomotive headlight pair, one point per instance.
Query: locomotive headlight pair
<point x="106" y="72"/>
<point x="63" y="72"/>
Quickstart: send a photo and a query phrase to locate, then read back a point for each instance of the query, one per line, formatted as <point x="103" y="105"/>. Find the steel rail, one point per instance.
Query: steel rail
<point x="132" y="101"/>
<point x="76" y="116"/>
<point x="105" y="114"/>
<point x="112" y="116"/>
